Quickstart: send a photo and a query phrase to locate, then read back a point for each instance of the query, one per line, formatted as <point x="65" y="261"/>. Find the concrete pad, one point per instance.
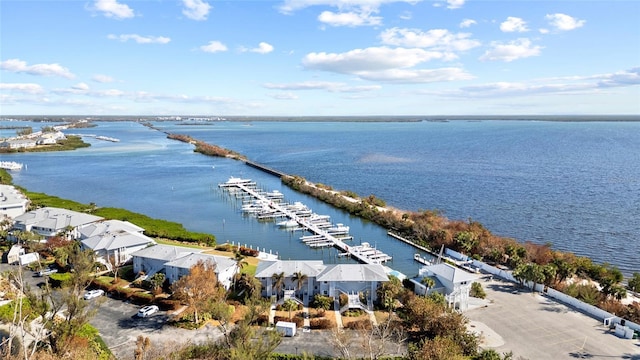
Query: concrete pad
<point x="534" y="326"/>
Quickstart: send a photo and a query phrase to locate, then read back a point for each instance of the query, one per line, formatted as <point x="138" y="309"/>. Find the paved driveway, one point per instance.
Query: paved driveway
<point x="120" y="328"/>
<point x="537" y="327"/>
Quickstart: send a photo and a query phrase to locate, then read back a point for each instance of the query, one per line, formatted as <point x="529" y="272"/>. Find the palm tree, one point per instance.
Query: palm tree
<point x="289" y="305"/>
<point x="428" y="282"/>
<point x="299" y="278"/>
<point x="278" y="283"/>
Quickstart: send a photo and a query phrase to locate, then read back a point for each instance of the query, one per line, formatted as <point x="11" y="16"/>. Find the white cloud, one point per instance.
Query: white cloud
<point x="214" y="47"/>
<point x="102" y="78"/>
<point x="455" y="4"/>
<point x="113" y="9"/>
<point x="263" y="48"/>
<point x="19" y="66"/>
<point x="418" y="76"/>
<point x="196" y="9"/>
<point x="562" y="85"/>
<point x="564" y="22"/>
<point x="28" y="88"/>
<point x="513" y="50"/>
<point x="436" y="38"/>
<point x="290" y="6"/>
<point x="385" y="64"/>
<point x="406" y="15"/>
<point x="351" y="19"/>
<point x="140" y="39"/>
<point x="369" y="59"/>
<point x="467" y="23"/>
<point x="80" y="86"/>
<point x="322" y="85"/>
<point x="283" y="96"/>
<point x="514" y="24"/>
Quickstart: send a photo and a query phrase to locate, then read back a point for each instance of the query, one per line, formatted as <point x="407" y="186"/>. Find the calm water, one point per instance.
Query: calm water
<point x="575" y="185"/>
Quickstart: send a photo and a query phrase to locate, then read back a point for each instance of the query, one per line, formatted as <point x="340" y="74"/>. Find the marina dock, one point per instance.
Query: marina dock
<point x="299" y="217"/>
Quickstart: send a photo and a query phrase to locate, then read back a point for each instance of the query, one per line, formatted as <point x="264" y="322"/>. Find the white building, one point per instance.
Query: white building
<point x="176" y="261"/>
<point x="114" y="240"/>
<point x="151" y="260"/>
<point x="225" y="268"/>
<point x="454" y="283"/>
<point x="49" y="222"/>
<point x="353" y="280"/>
<point x="12" y="202"/>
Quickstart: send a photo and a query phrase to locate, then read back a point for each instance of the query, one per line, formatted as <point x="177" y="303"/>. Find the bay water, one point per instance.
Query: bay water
<point x="575" y="185"/>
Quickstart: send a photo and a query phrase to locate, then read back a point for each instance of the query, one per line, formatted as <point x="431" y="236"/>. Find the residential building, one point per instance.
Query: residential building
<point x="12" y="202"/>
<point x="176" y="261"/>
<point x="453" y="282"/>
<point x="114" y="241"/>
<point x="151" y="260"/>
<point x="358" y="281"/>
<point x="49" y="222"/>
<point x="225" y="268"/>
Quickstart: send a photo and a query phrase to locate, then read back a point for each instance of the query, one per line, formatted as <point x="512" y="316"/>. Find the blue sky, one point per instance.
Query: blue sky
<point x="319" y="57"/>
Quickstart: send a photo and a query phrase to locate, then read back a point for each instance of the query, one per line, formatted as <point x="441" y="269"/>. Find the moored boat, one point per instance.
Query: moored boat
<point x="10" y="165"/>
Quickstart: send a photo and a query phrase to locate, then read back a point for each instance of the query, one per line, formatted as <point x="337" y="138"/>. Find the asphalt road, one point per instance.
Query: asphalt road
<point x="537" y="327"/>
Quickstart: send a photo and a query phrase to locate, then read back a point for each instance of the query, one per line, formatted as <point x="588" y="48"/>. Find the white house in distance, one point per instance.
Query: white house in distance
<point x="151" y="260"/>
<point x="114" y="239"/>
<point x="176" y="261"/>
<point x="454" y="283"/>
<point x="354" y="280"/>
<point x="49" y="222"/>
<point x="225" y="268"/>
<point x="12" y="202"/>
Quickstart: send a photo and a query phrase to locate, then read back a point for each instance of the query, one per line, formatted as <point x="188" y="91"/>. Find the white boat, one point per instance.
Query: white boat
<point x="287" y="224"/>
<point x="417" y="257"/>
<point x="274" y="195"/>
<point x="10" y="165"/>
<point x="234" y="181"/>
<point x="315" y="218"/>
<point x="338" y="229"/>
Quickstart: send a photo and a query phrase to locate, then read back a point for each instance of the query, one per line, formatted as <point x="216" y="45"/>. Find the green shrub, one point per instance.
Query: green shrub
<point x="477" y="291"/>
<point x="359" y="324"/>
<point x="141" y="298"/>
<point x="320" y="323"/>
<point x="59" y="280"/>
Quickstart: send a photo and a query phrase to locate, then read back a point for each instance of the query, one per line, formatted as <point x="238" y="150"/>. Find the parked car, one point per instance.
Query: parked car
<point x="147" y="311"/>
<point x="46" y="272"/>
<point x="93" y="294"/>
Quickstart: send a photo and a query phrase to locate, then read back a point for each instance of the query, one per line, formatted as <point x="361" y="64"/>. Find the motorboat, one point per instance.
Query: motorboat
<point x="10" y="165"/>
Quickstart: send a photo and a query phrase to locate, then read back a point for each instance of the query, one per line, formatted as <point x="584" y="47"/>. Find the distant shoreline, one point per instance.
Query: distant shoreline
<point x="366" y="118"/>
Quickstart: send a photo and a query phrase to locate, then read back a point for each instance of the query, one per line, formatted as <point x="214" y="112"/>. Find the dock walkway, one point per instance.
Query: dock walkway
<point x="321" y="237"/>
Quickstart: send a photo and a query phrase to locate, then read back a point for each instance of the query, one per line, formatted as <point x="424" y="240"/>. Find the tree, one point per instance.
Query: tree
<point x="157" y="280"/>
<point x="322" y="302"/>
<point x="428" y="282"/>
<point x="389" y="291"/>
<point x="199" y="287"/>
<point x="477" y="291"/>
<point x="278" y="283"/>
<point x="634" y="282"/>
<point x="299" y="278"/>
<point x="289" y="305"/>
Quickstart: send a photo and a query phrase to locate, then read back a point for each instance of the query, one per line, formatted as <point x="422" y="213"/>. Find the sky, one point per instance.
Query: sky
<point x="319" y="57"/>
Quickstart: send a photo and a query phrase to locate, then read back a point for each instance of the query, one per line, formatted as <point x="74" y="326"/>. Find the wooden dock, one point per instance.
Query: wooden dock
<point x="321" y="237"/>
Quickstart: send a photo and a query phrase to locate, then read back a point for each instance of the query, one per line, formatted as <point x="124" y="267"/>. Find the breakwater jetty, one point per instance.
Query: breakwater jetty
<point x="298" y="217"/>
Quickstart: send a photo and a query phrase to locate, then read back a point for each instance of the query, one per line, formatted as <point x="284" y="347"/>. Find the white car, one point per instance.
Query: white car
<point x="46" y="272"/>
<point x="147" y="311"/>
<point x="93" y="294"/>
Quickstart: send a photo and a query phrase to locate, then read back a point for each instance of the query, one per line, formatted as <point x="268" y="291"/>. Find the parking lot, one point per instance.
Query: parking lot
<point x="119" y="328"/>
<point x="534" y="326"/>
